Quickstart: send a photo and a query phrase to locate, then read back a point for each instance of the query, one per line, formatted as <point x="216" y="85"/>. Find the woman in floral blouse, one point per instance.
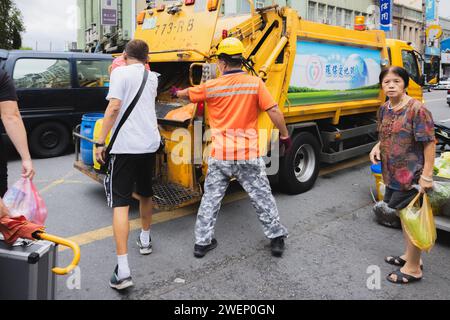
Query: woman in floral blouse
<point x="407" y="151"/>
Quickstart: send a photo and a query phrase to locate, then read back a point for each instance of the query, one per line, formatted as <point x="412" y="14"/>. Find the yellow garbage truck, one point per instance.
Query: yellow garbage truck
<point x="324" y="78"/>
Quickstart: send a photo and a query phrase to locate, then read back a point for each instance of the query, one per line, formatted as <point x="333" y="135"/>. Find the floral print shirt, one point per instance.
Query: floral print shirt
<point x="402" y="135"/>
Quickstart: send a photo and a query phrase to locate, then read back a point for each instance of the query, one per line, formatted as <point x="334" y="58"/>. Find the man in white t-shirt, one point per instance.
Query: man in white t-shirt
<point x="132" y="155"/>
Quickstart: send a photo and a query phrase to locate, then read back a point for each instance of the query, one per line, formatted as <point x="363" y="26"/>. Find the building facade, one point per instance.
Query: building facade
<point x="445" y="24"/>
<point x="408" y="22"/>
<point x="338" y="12"/>
<point x="95" y="37"/>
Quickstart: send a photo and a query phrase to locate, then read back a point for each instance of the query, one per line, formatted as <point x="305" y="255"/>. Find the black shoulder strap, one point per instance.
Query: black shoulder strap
<point x="128" y="112"/>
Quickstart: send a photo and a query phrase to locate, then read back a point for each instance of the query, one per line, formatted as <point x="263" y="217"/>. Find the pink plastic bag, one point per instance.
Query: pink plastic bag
<point x="23" y="199"/>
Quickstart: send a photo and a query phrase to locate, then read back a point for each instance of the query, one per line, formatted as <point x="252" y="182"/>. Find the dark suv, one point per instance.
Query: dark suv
<point x="55" y="90"/>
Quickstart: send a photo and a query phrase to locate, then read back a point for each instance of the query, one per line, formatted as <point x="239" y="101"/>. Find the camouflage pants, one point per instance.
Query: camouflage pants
<point x="252" y="176"/>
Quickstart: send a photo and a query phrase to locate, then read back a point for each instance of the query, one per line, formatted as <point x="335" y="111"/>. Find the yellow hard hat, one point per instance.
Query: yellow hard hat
<point x="231" y="46"/>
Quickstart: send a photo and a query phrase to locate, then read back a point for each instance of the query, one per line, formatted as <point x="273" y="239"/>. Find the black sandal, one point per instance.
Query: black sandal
<point x="401" y="277"/>
<point x="397" y="261"/>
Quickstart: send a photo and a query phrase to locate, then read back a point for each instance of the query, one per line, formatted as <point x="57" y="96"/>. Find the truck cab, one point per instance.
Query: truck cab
<point x="404" y="55"/>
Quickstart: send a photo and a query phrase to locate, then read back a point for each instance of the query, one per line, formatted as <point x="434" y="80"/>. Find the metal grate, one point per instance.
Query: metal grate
<point x="170" y="196"/>
<point x="162" y="109"/>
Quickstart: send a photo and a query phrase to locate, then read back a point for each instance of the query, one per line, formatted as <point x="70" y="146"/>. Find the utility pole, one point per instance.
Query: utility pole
<point x="424" y="26"/>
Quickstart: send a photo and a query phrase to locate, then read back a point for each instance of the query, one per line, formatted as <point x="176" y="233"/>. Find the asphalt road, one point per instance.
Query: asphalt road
<point x="333" y="243"/>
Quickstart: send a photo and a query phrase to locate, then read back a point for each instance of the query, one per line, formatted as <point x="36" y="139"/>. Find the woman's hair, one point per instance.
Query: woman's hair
<point x="399" y="71"/>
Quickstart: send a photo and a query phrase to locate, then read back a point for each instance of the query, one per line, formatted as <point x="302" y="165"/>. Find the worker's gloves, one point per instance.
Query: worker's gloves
<point x="285" y="145"/>
<point x="173" y="92"/>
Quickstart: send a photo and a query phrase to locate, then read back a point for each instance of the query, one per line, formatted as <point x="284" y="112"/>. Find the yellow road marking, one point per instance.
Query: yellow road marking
<point x="56" y="182"/>
<point x="164" y="216"/>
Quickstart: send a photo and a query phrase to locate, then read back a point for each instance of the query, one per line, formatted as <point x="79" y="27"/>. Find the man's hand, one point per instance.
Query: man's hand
<point x="375" y="154"/>
<point x="286" y="142"/>
<point x="27" y="169"/>
<point x="3" y="209"/>
<point x="100" y="155"/>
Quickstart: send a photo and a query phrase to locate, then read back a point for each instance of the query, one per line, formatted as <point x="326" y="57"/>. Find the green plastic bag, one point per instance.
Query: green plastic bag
<point x="418" y="223"/>
<point x="440" y="197"/>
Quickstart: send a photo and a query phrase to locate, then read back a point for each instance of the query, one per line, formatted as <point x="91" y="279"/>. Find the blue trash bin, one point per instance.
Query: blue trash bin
<point x="87" y="130"/>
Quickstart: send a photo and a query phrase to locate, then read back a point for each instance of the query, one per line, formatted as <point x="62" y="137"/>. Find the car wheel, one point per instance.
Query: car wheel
<point x="299" y="168"/>
<point x="49" y="139"/>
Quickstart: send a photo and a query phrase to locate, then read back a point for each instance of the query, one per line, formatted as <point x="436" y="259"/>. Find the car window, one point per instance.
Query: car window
<point x="93" y="73"/>
<point x="410" y="64"/>
<point x="42" y="74"/>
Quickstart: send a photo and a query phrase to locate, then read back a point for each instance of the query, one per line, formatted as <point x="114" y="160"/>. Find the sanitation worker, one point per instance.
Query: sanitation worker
<point x="234" y="101"/>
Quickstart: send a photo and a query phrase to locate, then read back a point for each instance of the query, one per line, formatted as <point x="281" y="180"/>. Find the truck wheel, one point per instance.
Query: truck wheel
<point x="299" y="168"/>
<point x="49" y="139"/>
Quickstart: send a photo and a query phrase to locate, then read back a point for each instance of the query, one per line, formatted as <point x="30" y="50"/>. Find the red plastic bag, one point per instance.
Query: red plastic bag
<point x="23" y="199"/>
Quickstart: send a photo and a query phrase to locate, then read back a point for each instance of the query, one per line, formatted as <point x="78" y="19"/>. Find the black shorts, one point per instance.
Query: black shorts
<point x="399" y="199"/>
<point x="129" y="173"/>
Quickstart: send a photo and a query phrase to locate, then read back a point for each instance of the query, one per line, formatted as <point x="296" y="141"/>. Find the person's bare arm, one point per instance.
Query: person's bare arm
<point x="15" y="129"/>
<point x="278" y="120"/>
<point x="425" y="181"/>
<point x="3" y="209"/>
<point x="183" y="93"/>
<point x="111" y="114"/>
<point x="375" y="154"/>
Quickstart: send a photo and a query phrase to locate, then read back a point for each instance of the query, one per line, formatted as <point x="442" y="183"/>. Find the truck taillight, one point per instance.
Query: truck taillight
<point x="189" y="2"/>
<point x="224" y="34"/>
<point x="213" y="4"/>
<point x="140" y="18"/>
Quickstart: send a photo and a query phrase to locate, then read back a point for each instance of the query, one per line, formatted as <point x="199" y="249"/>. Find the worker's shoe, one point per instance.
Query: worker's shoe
<point x="120" y="284"/>
<point x="277" y="246"/>
<point x="144" y="250"/>
<point x="201" y="251"/>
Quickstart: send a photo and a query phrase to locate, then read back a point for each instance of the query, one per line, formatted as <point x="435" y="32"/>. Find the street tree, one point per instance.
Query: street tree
<point x="11" y="26"/>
